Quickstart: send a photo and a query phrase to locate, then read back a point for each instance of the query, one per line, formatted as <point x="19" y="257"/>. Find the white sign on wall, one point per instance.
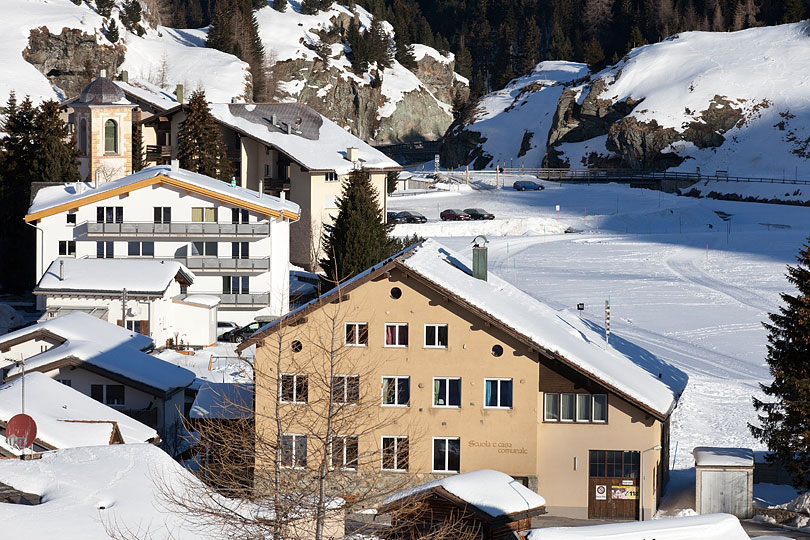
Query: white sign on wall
<point x="601" y="493"/>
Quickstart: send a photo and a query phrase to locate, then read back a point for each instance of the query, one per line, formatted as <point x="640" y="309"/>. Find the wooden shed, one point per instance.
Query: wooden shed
<point x="484" y="504"/>
<point x="724" y="481"/>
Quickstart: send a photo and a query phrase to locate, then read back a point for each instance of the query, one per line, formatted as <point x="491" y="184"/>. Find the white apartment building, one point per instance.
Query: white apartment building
<point x="235" y="241"/>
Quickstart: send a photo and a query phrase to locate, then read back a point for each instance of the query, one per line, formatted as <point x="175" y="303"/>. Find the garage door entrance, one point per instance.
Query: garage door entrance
<point x="613" y="484"/>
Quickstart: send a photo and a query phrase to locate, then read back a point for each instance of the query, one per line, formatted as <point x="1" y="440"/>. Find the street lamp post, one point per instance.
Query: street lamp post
<point x="641" y="487"/>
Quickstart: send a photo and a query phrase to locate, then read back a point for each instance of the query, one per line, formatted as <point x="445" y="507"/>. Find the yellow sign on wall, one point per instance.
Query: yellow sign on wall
<point x="623" y="492"/>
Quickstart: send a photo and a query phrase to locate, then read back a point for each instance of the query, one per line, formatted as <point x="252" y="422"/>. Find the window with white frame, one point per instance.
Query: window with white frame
<point x="293" y="388"/>
<point x="446" y="454"/>
<point x="67" y="247"/>
<point x="396" y="391"/>
<point x="396" y="334"/>
<point x="344" y="452"/>
<point x="436" y="336"/>
<point x="446" y="392"/>
<point x="498" y="393"/>
<point x="141" y="249"/>
<point x="395" y="453"/>
<point x="570" y="407"/>
<point x="293" y="450"/>
<point x="357" y="334"/>
<point x="346" y="389"/>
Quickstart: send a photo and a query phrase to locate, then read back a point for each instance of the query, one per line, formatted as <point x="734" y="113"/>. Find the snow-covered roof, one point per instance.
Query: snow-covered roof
<point x="709" y="456"/>
<point x="493" y="492"/>
<point x="61" y="197"/>
<point x="102" y="346"/>
<point x="148" y="92"/>
<point x="65" y="417"/>
<point x="706" y="527"/>
<point x="137" y="276"/>
<point x="85" y="489"/>
<point x="226" y="401"/>
<point x="205" y="300"/>
<point x="316" y="142"/>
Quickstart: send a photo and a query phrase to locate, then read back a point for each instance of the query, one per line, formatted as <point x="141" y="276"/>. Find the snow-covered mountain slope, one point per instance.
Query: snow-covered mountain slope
<point x="405" y="103"/>
<point x="733" y="101"/>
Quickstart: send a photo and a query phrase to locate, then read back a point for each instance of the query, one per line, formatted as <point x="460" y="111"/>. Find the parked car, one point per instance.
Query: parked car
<point x="393" y="217"/>
<point x="225" y="326"/>
<point x="452" y="214"/>
<point x="412" y="217"/>
<point x="523" y="185"/>
<point x="479" y="213"/>
<point x="238" y="335"/>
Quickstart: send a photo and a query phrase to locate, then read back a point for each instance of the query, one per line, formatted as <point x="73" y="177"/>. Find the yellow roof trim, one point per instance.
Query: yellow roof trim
<point x="159" y="179"/>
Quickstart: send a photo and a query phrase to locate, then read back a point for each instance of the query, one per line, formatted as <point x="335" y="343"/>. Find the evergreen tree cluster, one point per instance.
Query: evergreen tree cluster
<point x="234" y="30"/>
<point x="34" y="149"/>
<point x="785" y="421"/>
<point x="199" y="142"/>
<point x="131" y="16"/>
<point x="371" y="46"/>
<point x="311" y="7"/>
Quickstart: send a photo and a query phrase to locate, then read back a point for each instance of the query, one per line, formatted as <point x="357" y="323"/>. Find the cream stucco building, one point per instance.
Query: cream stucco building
<point x="461" y="374"/>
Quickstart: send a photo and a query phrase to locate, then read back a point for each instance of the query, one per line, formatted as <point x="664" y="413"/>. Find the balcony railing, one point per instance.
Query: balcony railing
<point x="195" y="229"/>
<point x="234" y="300"/>
<point x="154" y="152"/>
<point x="275" y="184"/>
<point x="222" y="264"/>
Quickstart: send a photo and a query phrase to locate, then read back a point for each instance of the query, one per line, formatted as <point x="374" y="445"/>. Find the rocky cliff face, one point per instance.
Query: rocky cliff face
<point x="71" y="59"/>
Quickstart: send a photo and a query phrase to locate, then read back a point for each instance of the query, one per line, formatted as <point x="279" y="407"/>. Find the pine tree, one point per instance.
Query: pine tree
<point x="792" y="11"/>
<point x="529" y="48"/>
<point x="310" y="7"/>
<point x="358" y="238"/>
<point x="112" y="31"/>
<point x="560" y="48"/>
<point x="199" y="143"/>
<point x="220" y="35"/>
<point x="104" y="7"/>
<point x="784" y="421"/>
<point x="55" y="159"/>
<point x="138" y="157"/>
<point x="594" y="55"/>
<point x="463" y="60"/>
<point x="280" y="5"/>
<point x="131" y="14"/>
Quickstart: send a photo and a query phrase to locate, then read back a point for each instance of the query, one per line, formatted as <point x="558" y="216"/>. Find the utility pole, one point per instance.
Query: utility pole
<point x="124" y="308"/>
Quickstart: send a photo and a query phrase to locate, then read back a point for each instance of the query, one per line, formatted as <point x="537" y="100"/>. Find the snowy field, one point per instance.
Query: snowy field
<point x="683" y="283"/>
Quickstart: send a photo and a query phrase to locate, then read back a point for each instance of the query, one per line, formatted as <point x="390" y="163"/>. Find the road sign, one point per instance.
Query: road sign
<point x="21" y="431"/>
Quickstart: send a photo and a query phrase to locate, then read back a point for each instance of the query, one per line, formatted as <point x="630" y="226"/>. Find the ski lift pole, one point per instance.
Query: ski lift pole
<point x="607" y="322"/>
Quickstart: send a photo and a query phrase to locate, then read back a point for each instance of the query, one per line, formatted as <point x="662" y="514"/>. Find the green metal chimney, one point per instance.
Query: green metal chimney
<point x="480" y="257"/>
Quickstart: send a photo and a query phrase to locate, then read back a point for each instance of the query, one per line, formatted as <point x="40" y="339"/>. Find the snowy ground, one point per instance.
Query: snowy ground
<point x="683" y="283"/>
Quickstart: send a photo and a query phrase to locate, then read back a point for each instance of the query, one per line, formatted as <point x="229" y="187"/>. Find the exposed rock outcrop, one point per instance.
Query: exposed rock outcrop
<point x="72" y="58"/>
<point x="640" y="143"/>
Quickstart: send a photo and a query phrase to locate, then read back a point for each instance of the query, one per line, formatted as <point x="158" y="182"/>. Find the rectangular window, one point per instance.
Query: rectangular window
<point x="66" y="382"/>
<point x="498" y="393"/>
<point x="235" y="285"/>
<point x="614" y="463"/>
<point x="293" y="450"/>
<point x="119" y="214"/>
<point x="97" y="392"/>
<point x="204" y="249"/>
<point x="446" y="392"/>
<point x="567" y="406"/>
<point x="600" y="408"/>
<point x="115" y="394"/>
<point x="395" y="453"/>
<point x="396" y="391"/>
<point x="141" y="249"/>
<point x="396" y="334"/>
<point x="583" y="407"/>
<point x="344" y="452"/>
<point x="163" y="214"/>
<point x="70" y="219"/>
<point x="436" y="335"/>
<point x="357" y="334"/>
<point x="293" y="388"/>
<point x="346" y="389"/>
<point x="67" y="247"/>
<point x="446" y="454"/>
<point x="109" y="214"/>
<point x="552" y="408"/>
<point x="104" y="250"/>
<point x="239" y="216"/>
<point x="331" y="176"/>
<point x="240" y="250"/>
<point x="208" y="215"/>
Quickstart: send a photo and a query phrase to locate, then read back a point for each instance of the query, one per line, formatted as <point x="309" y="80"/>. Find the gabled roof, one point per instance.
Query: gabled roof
<point x="63" y="197"/>
<point x="315" y="142"/>
<point x="494" y="493"/>
<point x="145" y="91"/>
<point x="111" y="276"/>
<point x="631" y="372"/>
<point x="66" y="418"/>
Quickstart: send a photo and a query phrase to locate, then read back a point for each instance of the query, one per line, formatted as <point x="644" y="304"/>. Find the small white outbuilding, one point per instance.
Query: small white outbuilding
<point x="724" y="481"/>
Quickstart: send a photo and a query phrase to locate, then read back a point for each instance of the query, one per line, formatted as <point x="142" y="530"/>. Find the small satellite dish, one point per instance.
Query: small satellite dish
<point x="21" y="431"/>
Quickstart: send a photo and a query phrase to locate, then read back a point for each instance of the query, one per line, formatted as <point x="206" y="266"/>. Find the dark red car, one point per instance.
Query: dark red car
<point x="452" y="214"/>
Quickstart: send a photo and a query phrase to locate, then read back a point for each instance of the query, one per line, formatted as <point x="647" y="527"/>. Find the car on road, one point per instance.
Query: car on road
<point x="523" y="185"/>
<point x="238" y="335"/>
<point x="408" y="216"/>
<point x="393" y="217"/>
<point x="225" y="326"/>
<point x="478" y="213"/>
<point x="453" y="214"/>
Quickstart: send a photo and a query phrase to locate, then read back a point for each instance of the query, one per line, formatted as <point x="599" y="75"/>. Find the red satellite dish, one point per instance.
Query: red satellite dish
<point x="21" y="431"/>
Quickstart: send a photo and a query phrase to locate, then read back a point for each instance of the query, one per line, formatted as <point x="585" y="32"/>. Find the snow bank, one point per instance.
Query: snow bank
<point x="494" y="492"/>
<point x="497" y="227"/>
<point x="799" y="504"/>
<point x="782" y="190"/>
<point x="706" y="527"/>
